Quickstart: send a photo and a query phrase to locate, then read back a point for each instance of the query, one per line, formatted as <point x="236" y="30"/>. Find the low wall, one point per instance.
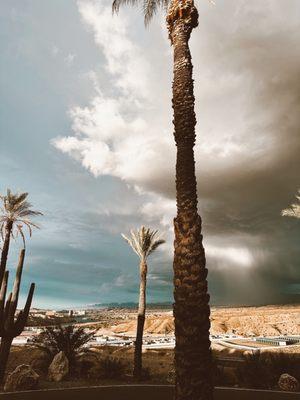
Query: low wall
<point x="141" y="392"/>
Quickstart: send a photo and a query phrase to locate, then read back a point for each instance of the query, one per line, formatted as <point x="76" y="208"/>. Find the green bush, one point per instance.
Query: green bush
<point x="68" y="339"/>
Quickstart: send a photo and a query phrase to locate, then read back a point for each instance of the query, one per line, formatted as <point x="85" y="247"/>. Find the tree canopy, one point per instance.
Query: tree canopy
<point x="15" y="209"/>
<point x="143" y="241"/>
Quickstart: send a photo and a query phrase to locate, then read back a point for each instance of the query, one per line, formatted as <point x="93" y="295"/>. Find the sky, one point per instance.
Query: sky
<point x="86" y="129"/>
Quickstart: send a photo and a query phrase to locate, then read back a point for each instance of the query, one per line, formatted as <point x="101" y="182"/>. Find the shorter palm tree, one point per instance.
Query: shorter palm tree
<point x="68" y="339"/>
<point x="143" y="242"/>
<point x="294" y="209"/>
<point x="15" y="213"/>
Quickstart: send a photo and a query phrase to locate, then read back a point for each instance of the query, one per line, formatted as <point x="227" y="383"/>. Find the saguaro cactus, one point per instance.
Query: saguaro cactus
<point x="12" y="324"/>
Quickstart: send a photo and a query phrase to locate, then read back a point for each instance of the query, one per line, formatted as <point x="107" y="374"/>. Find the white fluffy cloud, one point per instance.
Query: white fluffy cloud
<point x="113" y="135"/>
<point x="246" y="103"/>
<point x="124" y="59"/>
<point x="127" y="132"/>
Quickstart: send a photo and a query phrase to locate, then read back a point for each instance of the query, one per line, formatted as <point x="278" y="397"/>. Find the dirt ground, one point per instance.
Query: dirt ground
<point x="157" y="364"/>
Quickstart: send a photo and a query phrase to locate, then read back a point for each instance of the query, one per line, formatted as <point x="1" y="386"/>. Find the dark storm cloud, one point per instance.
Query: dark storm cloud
<point x="242" y="193"/>
<point x="248" y="198"/>
<point x="246" y="67"/>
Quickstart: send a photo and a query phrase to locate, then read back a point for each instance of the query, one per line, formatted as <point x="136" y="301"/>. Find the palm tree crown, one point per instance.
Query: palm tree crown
<point x="143" y="242"/>
<point x="294" y="209"/>
<point x="16" y="211"/>
<point x="68" y="339"/>
<point x="149" y="7"/>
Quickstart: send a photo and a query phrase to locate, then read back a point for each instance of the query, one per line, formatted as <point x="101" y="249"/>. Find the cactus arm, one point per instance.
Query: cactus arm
<point x="12" y="325"/>
<point x="29" y="300"/>
<point x="18" y="325"/>
<point x="23" y="315"/>
<point x="17" y="282"/>
<point x="6" y="309"/>
<point x="3" y="293"/>
<point x="16" y="288"/>
<point x="2" y="301"/>
<point x="3" y="290"/>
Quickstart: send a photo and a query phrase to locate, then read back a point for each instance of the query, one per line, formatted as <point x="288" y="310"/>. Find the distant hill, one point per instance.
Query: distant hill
<point x="244" y="321"/>
<point x="168" y="305"/>
<point x="132" y="305"/>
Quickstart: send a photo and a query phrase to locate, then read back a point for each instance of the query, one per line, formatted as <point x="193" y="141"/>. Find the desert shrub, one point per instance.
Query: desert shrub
<point x="262" y="371"/>
<point x="85" y="361"/>
<point x="93" y="373"/>
<point x="111" y="368"/>
<point x="219" y="376"/>
<point x="254" y="373"/>
<point x="68" y="339"/>
<point x="145" y="374"/>
<point x="41" y="363"/>
<point x="282" y="363"/>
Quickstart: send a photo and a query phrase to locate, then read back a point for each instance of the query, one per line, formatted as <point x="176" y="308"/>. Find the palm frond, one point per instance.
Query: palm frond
<point x="149" y="7"/>
<point x="156" y="244"/>
<point x="118" y="3"/>
<point x="28" y="213"/>
<point x="20" y="231"/>
<point x="131" y="243"/>
<point x="17" y="211"/>
<point x="149" y="10"/>
<point x="143" y="242"/>
<point x="67" y="339"/>
<point x="136" y="242"/>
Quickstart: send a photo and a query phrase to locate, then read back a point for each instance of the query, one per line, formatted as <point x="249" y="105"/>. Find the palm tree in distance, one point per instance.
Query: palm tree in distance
<point x="294" y="209"/>
<point x="193" y="363"/>
<point x="15" y="213"/>
<point x="143" y="242"/>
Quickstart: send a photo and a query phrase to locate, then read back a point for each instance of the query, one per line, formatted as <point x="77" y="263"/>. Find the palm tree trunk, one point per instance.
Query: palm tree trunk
<point x="5" y="249"/>
<point x="191" y="308"/>
<point x="4" y="354"/>
<point x="137" y="371"/>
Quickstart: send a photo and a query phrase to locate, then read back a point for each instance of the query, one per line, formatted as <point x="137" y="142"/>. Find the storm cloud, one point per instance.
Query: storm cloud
<point x="247" y="88"/>
<point x="112" y="153"/>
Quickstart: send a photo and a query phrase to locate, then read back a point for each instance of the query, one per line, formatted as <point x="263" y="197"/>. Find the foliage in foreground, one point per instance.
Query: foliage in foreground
<point x="68" y="339"/>
<point x="262" y="371"/>
<point x="109" y="368"/>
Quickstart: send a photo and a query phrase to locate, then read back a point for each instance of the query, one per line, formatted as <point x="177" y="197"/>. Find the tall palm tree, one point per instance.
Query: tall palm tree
<point x="15" y="213"/>
<point x="143" y="242"/>
<point x="191" y="307"/>
<point x="294" y="209"/>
